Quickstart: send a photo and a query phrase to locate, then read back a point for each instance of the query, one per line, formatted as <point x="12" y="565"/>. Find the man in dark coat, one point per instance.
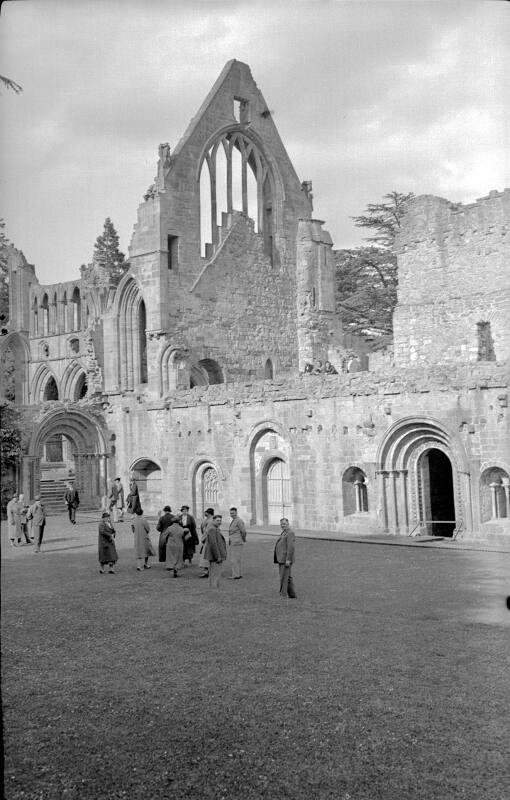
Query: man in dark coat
<point x="187" y="521"/>
<point x="72" y="501"/>
<point x="284" y="557"/>
<point x="215" y="551"/>
<point x="165" y="520"/>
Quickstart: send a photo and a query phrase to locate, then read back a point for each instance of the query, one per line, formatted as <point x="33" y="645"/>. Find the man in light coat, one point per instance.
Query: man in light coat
<point x="117" y="500"/>
<point x="215" y="551"/>
<point x="38" y="522"/>
<point x="284" y="557"/>
<point x="13" y="521"/>
<point x="236" y="540"/>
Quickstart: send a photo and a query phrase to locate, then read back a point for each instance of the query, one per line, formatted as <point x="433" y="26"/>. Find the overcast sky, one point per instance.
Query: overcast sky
<point x="368" y="97"/>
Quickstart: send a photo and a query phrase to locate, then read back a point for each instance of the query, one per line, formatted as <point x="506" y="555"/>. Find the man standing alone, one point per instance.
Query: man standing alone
<point x="215" y="551"/>
<point x="236" y="540"/>
<point x="284" y="557"/>
<point x="72" y="501"/>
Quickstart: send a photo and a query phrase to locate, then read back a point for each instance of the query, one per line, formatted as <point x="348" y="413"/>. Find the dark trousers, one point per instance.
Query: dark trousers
<point x="72" y="512"/>
<point x="286" y="583"/>
<point x="38" y="531"/>
<point x="24" y="530"/>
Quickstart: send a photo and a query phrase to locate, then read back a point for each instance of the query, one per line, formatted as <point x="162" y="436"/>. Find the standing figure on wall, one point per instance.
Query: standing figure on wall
<point x="116" y="499"/>
<point x="188" y="522"/>
<point x="72" y="501"/>
<point x="133" y="498"/>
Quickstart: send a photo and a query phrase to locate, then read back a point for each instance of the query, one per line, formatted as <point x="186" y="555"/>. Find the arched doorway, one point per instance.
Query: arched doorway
<point x="276" y="492"/>
<point x="437" y="501"/>
<point x="66" y="445"/>
<point x="267" y="480"/>
<point x="147" y="475"/>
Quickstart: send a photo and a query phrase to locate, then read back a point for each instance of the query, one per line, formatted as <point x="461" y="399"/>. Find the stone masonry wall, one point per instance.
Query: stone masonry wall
<point x="454" y="272"/>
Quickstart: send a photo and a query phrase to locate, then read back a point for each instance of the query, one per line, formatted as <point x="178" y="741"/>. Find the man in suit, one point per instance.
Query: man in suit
<point x="72" y="501"/>
<point x="215" y="551"/>
<point x="236" y="540"/>
<point x="284" y="557"/>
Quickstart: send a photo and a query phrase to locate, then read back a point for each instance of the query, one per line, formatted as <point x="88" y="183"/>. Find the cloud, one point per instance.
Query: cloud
<point x="368" y="97"/>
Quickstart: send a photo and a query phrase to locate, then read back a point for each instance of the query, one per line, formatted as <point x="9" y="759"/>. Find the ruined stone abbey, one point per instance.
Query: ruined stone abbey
<point x="188" y="374"/>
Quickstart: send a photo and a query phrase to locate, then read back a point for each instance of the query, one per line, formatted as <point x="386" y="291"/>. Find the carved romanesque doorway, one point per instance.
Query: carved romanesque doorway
<point x="437" y="500"/>
<point x="66" y="445"/>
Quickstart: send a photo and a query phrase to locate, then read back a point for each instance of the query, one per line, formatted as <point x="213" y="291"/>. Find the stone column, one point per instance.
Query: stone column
<point x="392" y="505"/>
<point x="359" y="498"/>
<point x="506" y="487"/>
<point x="382" y="476"/>
<point x="494" y="500"/>
<point x="403" y="512"/>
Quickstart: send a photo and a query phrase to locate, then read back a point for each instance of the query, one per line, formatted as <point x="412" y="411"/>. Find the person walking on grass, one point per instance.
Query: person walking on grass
<point x="38" y="518"/>
<point x="175" y="545"/>
<point x="72" y="501"/>
<point x="284" y="557"/>
<point x="106" y="544"/>
<point x="203" y="563"/>
<point x="116" y="500"/>
<point x="236" y="540"/>
<point x="143" y="544"/>
<point x="188" y="523"/>
<point x="165" y="518"/>
<point x="215" y="551"/>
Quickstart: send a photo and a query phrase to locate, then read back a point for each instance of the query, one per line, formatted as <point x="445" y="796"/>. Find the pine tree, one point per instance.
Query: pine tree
<point x="107" y="257"/>
<point x="367" y="276"/>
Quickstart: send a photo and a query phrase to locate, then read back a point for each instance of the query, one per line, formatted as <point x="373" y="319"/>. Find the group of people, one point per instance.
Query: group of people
<point x="318" y="367"/>
<point x="26" y="521"/>
<point x="179" y="539"/>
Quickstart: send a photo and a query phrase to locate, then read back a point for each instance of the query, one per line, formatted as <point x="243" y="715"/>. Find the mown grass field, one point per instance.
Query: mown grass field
<point x="387" y="678"/>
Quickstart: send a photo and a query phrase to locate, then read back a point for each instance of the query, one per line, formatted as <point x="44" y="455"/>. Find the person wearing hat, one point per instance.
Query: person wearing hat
<point x="106" y="544"/>
<point x="190" y="543"/>
<point x="38" y="517"/>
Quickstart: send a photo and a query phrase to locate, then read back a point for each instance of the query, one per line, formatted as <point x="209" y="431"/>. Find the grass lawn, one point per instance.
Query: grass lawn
<point x="387" y="678"/>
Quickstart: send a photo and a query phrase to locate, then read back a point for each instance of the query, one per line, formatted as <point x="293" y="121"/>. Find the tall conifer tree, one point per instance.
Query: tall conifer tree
<point x="107" y="255"/>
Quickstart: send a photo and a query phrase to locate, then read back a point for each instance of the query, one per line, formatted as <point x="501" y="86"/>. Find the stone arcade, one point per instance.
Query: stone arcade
<point x="188" y="373"/>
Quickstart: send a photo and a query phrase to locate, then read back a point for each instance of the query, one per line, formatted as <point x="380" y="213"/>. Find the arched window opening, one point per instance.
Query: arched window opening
<point x="65" y="320"/>
<point x="53" y="314"/>
<point x="213" y="371"/>
<point x="74" y="345"/>
<point x="35" y="317"/>
<point x="209" y="488"/>
<point x="269" y="370"/>
<point x="234" y="176"/>
<point x="142" y="341"/>
<point x="76" y="310"/>
<point x="45" y="314"/>
<point x="494" y="494"/>
<point x="485" y="342"/>
<point x="206" y="232"/>
<point x="354" y="491"/>
<point x="50" y="389"/>
<point x="80" y="390"/>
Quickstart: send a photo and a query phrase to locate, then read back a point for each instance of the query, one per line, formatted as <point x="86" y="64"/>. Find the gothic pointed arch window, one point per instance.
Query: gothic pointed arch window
<point x="132" y="354"/>
<point x="35" y="317"/>
<point x="234" y="176"/>
<point x="76" y="310"/>
<point x="45" y="315"/>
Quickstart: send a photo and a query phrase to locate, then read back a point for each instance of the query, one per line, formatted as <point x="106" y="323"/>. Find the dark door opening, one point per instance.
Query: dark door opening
<point x="437" y="493"/>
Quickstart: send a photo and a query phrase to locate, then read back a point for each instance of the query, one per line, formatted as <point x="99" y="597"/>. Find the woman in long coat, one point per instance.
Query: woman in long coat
<point x="175" y="546"/>
<point x="106" y="544"/>
<point x="163" y="523"/>
<point x="203" y="564"/>
<point x="143" y="544"/>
